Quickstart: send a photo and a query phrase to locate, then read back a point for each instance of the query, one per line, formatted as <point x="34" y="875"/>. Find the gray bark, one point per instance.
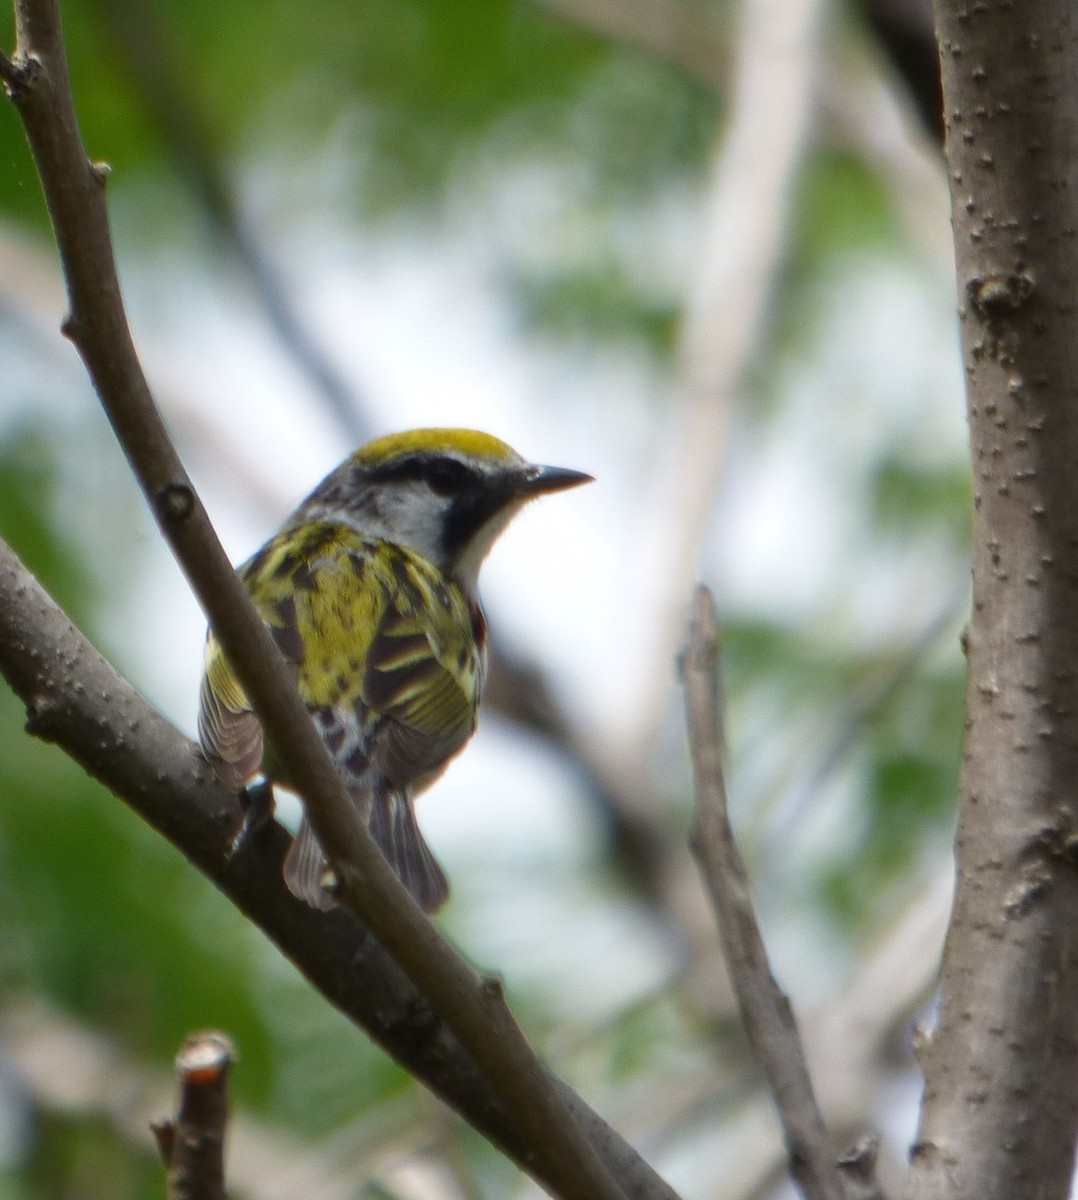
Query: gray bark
<point x="1001" y="1069"/>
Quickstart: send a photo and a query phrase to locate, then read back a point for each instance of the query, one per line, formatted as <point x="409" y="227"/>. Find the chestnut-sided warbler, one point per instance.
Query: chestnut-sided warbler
<point x="369" y="589"/>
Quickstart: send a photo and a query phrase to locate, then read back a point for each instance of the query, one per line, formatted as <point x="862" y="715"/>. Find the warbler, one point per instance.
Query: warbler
<point x="369" y="590"/>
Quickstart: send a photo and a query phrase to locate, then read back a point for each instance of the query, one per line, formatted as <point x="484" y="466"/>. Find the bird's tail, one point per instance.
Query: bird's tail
<point x="392" y="824"/>
<point x="394" y="828"/>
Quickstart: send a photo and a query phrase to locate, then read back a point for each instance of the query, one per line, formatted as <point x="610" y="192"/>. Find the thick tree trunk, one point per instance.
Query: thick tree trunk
<point x="1001" y="1069"/>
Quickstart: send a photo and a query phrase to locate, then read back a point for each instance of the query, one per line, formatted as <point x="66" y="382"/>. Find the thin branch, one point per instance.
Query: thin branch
<point x="146" y="50"/>
<point x="852" y="1036"/>
<point x="765" y="1010"/>
<point x="193" y="1144"/>
<point x="75" y="699"/>
<point x="473" y="1006"/>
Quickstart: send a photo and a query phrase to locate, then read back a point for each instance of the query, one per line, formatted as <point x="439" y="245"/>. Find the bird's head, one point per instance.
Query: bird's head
<point x="445" y="493"/>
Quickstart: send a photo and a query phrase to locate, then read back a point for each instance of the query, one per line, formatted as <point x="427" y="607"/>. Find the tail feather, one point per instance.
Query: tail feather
<point x="393" y="827"/>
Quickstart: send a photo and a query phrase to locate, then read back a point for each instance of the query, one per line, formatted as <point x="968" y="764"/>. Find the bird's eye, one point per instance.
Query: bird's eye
<point x="446" y="475"/>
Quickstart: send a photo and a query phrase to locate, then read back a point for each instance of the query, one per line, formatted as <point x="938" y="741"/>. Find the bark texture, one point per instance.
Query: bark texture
<point x="1001" y="1098"/>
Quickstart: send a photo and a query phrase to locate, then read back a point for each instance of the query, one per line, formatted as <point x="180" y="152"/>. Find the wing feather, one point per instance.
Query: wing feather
<point x="229" y="732"/>
<point x="387" y="660"/>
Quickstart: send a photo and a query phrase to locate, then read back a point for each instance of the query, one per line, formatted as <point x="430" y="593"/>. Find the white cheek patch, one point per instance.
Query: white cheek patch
<point x="410" y="515"/>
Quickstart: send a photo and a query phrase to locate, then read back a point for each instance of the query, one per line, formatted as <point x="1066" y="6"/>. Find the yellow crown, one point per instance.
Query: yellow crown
<point x="470" y="443"/>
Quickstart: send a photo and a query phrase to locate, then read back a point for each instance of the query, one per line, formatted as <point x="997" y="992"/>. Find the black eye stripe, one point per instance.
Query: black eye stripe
<point x="445" y="476"/>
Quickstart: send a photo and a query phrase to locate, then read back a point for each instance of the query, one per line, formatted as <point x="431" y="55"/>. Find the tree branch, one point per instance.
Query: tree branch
<point x="76" y="1072"/>
<point x="1000" y="1115"/>
<point x="75" y="699"/>
<point x="474" y="1007"/>
<point x="192" y="1145"/>
<point x="765" y="1011"/>
<point x="142" y="40"/>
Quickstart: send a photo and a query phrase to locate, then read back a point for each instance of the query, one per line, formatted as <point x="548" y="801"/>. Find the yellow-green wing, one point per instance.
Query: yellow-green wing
<point x="384" y="647"/>
<point x="423" y="673"/>
<point x="305" y="587"/>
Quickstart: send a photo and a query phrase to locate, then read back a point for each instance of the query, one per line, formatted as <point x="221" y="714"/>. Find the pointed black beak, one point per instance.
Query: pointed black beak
<point x="538" y="481"/>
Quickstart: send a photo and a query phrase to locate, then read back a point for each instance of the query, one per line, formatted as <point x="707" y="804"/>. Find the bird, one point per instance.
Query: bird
<point x="369" y="591"/>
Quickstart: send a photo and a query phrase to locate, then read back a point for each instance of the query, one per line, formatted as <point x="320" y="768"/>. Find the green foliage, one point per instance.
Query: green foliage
<point x="84" y="928"/>
<point x="897" y="719"/>
<point x="841" y="207"/>
<point x="421" y="84"/>
<point x="103" y="945"/>
<point x="597" y="300"/>
<point x="911" y="788"/>
<point x="28" y="483"/>
<point x="942" y="496"/>
<point x="840" y="212"/>
<point x="89" y="1161"/>
<point x="756" y="651"/>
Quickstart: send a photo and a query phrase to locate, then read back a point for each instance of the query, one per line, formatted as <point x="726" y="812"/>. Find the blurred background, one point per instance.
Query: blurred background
<point x="700" y="250"/>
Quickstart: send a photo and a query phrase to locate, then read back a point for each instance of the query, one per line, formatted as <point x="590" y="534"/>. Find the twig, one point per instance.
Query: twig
<point x="473" y="1006"/>
<point x="765" y="1010"/>
<point x="142" y="41"/>
<point x="852" y="1036"/>
<point x="192" y="1145"/>
<point x="70" y="1069"/>
<point x="75" y="699"/>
